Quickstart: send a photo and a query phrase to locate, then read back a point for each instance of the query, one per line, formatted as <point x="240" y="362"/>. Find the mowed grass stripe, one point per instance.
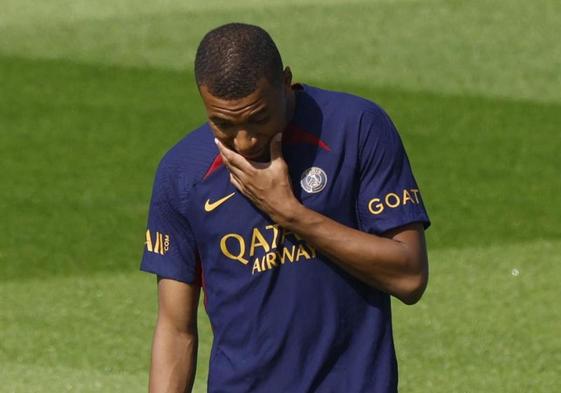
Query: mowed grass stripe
<point x="80" y="145"/>
<point x="28" y="12"/>
<point x="100" y="324"/>
<point x="440" y="46"/>
<point x="479" y="328"/>
<point x="486" y="324"/>
<point x="18" y="378"/>
<point x="94" y="331"/>
<point x="484" y="165"/>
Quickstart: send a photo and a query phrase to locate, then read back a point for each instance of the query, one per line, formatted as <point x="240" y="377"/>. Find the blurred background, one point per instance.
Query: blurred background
<point x="93" y="93"/>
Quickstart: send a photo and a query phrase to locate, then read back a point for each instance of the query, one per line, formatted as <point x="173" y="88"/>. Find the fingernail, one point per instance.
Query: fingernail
<point x="216" y="141"/>
<point x="278" y="137"/>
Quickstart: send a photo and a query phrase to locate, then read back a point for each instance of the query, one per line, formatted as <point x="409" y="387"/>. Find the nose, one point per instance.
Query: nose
<point x="244" y="142"/>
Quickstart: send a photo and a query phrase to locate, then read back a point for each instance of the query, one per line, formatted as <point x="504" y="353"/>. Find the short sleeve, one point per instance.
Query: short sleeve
<point x="388" y="193"/>
<point x="169" y="248"/>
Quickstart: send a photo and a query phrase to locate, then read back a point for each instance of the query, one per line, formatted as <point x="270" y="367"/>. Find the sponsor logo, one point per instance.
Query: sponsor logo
<point x="393" y="200"/>
<point x="158" y="244"/>
<point x="268" y="248"/>
<point x="210" y="206"/>
<point x="313" y="180"/>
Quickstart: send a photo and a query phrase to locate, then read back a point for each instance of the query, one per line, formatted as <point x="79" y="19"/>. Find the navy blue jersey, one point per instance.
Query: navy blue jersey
<point x="285" y="318"/>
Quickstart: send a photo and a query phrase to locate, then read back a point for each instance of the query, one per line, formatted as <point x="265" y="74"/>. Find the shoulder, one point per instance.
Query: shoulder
<point x="342" y="103"/>
<point x="347" y="109"/>
<point x="185" y="164"/>
<point x="358" y="120"/>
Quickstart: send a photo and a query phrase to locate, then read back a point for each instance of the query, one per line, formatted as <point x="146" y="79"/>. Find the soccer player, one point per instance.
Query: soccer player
<point x="295" y="209"/>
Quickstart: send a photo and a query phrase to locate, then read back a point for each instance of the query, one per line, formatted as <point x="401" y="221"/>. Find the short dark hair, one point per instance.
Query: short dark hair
<point x="232" y="58"/>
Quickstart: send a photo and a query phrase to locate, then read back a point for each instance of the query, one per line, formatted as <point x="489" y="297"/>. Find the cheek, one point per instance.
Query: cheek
<point x="225" y="139"/>
<point x="228" y="142"/>
<point x="219" y="134"/>
<point x="276" y="124"/>
<point x="268" y="131"/>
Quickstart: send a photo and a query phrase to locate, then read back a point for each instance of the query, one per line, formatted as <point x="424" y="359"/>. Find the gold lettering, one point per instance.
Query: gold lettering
<point x="415" y="192"/>
<point x="148" y="241"/>
<point x="302" y="252"/>
<point x="256" y="266"/>
<point x="271" y="260"/>
<point x="286" y="233"/>
<point x="228" y="253"/>
<point x="162" y="251"/>
<point x="407" y="197"/>
<point x="275" y="228"/>
<point x="157" y="248"/>
<point x="378" y="208"/>
<point x="397" y="201"/>
<point x="166" y="243"/>
<point x="283" y="235"/>
<point x="312" y="250"/>
<point x="257" y="240"/>
<point x="287" y="253"/>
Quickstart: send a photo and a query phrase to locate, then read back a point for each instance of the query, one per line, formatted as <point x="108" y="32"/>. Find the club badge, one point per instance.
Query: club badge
<point x="313" y="180"/>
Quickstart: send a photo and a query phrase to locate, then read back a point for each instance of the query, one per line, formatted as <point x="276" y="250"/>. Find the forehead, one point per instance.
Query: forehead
<point x="262" y="98"/>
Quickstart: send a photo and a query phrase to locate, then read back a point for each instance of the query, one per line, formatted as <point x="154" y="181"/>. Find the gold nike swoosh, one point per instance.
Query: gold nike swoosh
<point x="210" y="206"/>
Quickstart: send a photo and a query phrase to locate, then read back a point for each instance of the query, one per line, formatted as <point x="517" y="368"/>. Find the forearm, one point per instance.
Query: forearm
<point x="383" y="263"/>
<point x="396" y="263"/>
<point x="174" y="359"/>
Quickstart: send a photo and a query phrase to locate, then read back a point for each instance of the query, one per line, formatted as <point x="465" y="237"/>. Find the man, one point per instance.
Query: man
<point x="296" y="211"/>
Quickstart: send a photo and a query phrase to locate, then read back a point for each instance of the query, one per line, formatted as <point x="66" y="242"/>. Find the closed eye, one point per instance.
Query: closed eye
<point x="260" y="120"/>
<point x="222" y="125"/>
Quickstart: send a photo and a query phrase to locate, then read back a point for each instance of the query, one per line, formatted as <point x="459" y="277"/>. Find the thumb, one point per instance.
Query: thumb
<point x="276" y="147"/>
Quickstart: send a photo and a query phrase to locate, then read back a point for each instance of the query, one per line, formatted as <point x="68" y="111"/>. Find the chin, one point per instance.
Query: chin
<point x="261" y="158"/>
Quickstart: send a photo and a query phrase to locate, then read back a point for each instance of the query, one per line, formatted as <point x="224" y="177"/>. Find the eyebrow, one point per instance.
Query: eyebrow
<point x="216" y="119"/>
<point x="222" y="120"/>
<point x="260" y="112"/>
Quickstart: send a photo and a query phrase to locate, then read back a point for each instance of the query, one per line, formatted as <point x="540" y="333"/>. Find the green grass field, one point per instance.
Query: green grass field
<point x="91" y="96"/>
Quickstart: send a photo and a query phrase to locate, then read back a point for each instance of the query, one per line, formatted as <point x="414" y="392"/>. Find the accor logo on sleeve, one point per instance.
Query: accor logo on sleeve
<point x="393" y="200"/>
<point x="158" y="244"/>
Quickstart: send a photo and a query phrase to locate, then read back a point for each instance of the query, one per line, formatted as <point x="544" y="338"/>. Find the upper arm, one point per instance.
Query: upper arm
<point x="177" y="304"/>
<point x="170" y="248"/>
<point x="388" y="196"/>
<point x="412" y="237"/>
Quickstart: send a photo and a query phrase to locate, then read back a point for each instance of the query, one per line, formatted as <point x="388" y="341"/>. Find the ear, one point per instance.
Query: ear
<point x="287" y="75"/>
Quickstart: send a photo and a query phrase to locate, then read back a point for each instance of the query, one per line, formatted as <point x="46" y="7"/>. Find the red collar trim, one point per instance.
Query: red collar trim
<point x="293" y="135"/>
<point x="214" y="166"/>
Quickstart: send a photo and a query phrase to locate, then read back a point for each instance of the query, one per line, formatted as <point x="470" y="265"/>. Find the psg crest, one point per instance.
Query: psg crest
<point x="313" y="180"/>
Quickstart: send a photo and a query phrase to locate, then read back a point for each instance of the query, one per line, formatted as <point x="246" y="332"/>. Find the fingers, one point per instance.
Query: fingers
<point x="236" y="171"/>
<point x="241" y="187"/>
<point x="235" y="181"/>
<point x="233" y="159"/>
<point x="229" y="158"/>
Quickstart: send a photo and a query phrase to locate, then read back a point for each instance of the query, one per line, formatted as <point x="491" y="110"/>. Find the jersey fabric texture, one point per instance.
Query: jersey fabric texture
<point x="285" y="318"/>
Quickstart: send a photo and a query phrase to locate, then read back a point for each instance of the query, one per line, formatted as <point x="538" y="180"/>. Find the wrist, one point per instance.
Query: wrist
<point x="289" y="213"/>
